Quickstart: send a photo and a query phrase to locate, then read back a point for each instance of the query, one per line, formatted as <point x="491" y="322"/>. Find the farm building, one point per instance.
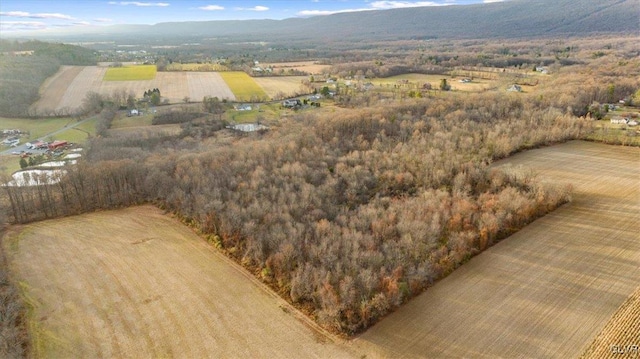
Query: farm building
<point x="57" y="144"/>
<point x="243" y="108"/>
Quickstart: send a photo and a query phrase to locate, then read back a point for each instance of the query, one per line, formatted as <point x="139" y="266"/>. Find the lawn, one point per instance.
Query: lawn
<point x="9" y="164"/>
<point x="244" y="88"/>
<point x="36" y="128"/>
<point x="130" y="73"/>
<point x="78" y="134"/>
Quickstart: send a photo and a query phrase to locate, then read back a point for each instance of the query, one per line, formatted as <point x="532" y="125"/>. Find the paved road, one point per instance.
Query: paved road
<point x="22" y="147"/>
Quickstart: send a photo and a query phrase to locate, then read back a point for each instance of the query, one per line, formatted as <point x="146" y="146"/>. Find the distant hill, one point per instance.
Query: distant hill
<point x="508" y="19"/>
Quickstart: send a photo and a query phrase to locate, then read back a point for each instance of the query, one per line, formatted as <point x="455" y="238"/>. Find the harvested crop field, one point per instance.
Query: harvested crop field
<point x="287" y="86"/>
<point x="137" y="283"/>
<point x="207" y="84"/>
<point x="546" y="291"/>
<point x="66" y="91"/>
<point x="621" y="336"/>
<point x="52" y="91"/>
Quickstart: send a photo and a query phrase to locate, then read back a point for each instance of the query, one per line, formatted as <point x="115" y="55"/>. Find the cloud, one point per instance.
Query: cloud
<point x="383" y="5"/>
<point x="491" y="1"/>
<point x="102" y="20"/>
<point x="379" y="5"/>
<point x="25" y="14"/>
<point x="255" y="8"/>
<point x="211" y="7"/>
<point x="22" y="25"/>
<point x="327" y="12"/>
<point x="139" y="3"/>
<point x="82" y="23"/>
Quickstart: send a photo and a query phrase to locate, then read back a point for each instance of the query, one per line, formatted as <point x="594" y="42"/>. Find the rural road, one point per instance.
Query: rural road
<point x="23" y="147"/>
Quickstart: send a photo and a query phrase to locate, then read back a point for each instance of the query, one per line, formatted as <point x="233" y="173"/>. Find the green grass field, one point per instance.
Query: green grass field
<point x="9" y="164"/>
<point x="131" y="73"/>
<point x="243" y="86"/>
<point x="35" y="127"/>
<point x="78" y="134"/>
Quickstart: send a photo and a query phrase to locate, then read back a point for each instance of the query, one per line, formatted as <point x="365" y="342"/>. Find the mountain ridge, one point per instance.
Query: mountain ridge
<point x="508" y="19"/>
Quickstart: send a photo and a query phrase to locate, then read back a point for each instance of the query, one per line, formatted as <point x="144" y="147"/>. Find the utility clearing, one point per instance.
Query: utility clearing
<point x="137" y="283"/>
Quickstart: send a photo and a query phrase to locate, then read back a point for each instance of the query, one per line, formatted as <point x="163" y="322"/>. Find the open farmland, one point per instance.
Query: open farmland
<point x="208" y="84"/>
<point x="136" y="283"/>
<point x="195" y="67"/>
<point x="311" y="67"/>
<point x="131" y="73"/>
<point x="174" y="86"/>
<point x="547" y="290"/>
<point x="621" y="335"/>
<point x="243" y="86"/>
<point x="281" y="86"/>
<point x="417" y="80"/>
<point x="52" y="92"/>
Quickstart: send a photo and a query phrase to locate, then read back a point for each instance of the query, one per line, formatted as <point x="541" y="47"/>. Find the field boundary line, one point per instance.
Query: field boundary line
<point x="282" y="303"/>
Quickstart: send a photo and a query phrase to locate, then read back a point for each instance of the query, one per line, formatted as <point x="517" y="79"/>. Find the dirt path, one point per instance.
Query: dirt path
<point x="545" y="291"/>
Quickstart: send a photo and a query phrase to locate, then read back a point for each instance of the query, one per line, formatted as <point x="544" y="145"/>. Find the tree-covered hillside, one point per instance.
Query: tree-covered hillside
<point x="24" y="66"/>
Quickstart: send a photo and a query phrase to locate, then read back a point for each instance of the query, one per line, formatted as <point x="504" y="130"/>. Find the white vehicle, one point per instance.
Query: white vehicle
<point x="29" y="145"/>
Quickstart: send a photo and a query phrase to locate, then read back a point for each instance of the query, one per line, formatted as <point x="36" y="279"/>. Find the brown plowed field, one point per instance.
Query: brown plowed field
<point x="135" y="283"/>
<point x="546" y="291"/>
<point x="70" y="85"/>
<point x="211" y="84"/>
<point x="50" y="93"/>
<point x="621" y="336"/>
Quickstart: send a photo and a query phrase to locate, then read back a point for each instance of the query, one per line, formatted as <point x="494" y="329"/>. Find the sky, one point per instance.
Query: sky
<point x="27" y="15"/>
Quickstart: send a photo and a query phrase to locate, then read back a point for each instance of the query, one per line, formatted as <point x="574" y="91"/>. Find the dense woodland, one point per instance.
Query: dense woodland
<point x="351" y="210"/>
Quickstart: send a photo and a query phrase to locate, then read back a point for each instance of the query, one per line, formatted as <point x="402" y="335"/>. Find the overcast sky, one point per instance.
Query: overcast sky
<point x="19" y="15"/>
